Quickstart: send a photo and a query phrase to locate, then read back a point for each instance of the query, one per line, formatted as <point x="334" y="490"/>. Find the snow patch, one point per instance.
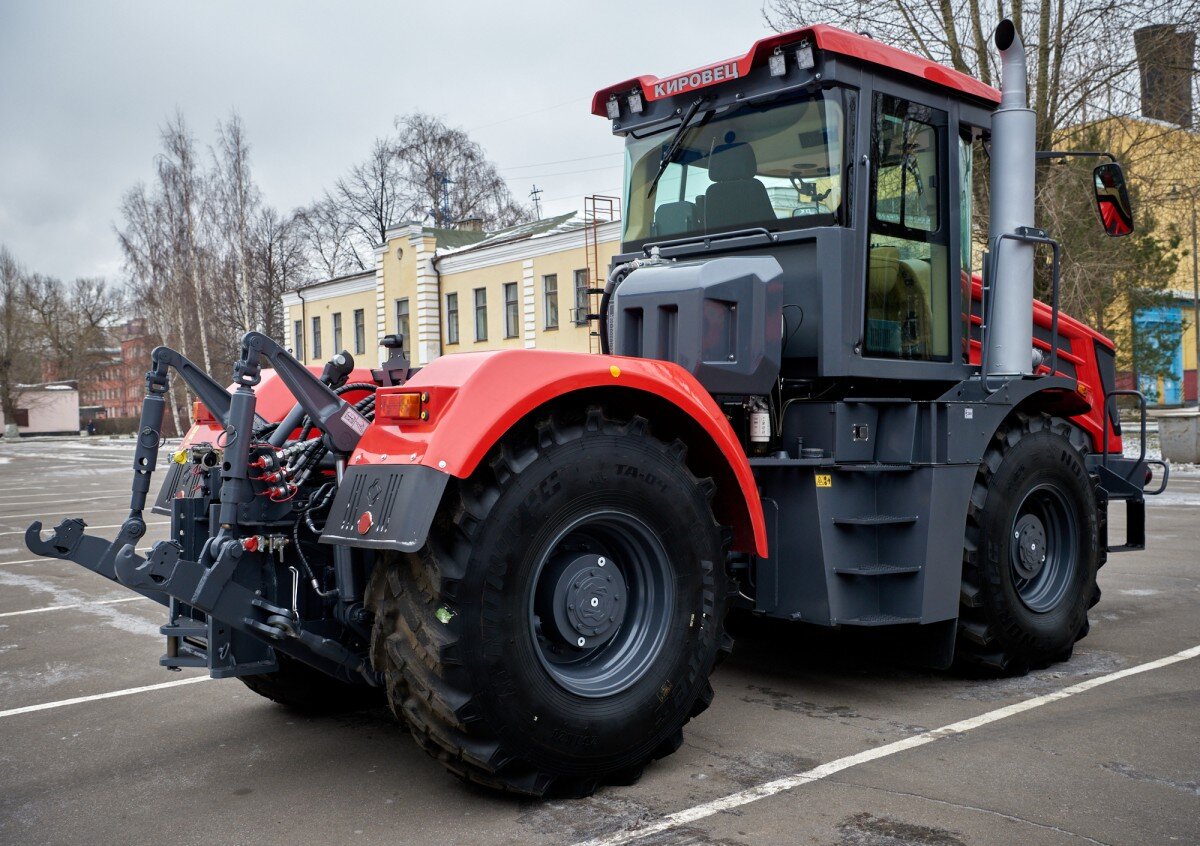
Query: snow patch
<point x="110" y="614"/>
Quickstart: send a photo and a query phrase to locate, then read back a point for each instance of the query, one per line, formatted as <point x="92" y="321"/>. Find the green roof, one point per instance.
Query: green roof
<point x="517" y="232"/>
<point x="454" y="238"/>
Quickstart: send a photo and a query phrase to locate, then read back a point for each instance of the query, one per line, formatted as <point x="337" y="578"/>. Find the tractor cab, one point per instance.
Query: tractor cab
<point x="847" y="161"/>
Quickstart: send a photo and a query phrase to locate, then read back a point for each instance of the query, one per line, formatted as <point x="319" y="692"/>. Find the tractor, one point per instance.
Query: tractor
<point x="809" y="406"/>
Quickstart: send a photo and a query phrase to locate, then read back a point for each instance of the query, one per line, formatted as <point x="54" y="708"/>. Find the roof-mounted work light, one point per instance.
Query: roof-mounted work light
<point x="635" y="101"/>
<point x="614" y="108"/>
<point x="804" y="56"/>
<point x="777" y="62"/>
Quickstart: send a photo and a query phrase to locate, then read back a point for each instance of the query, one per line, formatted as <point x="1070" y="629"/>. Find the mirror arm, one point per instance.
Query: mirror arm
<point x="1058" y="155"/>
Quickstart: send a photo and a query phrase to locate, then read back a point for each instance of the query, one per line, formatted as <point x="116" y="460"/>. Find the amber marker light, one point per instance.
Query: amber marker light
<point x="405" y="406"/>
<point x="201" y="414"/>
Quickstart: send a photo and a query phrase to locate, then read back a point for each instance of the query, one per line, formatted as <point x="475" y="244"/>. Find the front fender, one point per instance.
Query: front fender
<point x="475" y="398"/>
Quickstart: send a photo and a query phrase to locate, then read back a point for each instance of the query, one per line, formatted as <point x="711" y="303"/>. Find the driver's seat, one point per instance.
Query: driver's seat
<point x="735" y="198"/>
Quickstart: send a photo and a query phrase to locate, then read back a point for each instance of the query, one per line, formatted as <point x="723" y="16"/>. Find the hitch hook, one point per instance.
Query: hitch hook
<point x="61" y="543"/>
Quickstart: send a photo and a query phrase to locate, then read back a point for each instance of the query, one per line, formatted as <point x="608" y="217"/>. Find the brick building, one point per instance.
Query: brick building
<point x="118" y="389"/>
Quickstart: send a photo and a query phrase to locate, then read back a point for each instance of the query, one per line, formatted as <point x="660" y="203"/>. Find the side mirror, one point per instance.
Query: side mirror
<point x="1112" y="199"/>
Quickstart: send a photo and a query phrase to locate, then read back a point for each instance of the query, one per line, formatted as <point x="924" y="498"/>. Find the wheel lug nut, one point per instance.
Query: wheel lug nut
<point x="601" y="562"/>
<point x="595" y="602"/>
<point x="581" y="642"/>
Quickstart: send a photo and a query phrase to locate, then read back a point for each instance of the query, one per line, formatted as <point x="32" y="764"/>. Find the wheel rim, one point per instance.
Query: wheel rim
<point x="600" y="603"/>
<point x="1043" y="548"/>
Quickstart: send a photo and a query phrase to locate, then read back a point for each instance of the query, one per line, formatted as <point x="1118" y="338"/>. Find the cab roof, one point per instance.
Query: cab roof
<point x="830" y="39"/>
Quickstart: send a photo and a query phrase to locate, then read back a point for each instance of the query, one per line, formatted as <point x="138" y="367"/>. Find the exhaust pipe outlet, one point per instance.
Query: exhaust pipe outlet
<point x="1010" y="334"/>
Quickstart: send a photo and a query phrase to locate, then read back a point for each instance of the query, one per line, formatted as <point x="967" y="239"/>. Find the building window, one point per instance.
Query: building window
<point x="512" y="315"/>
<point x="550" y="300"/>
<point x="452" y="318"/>
<point x="337" y="333"/>
<point x="360" y="331"/>
<point x="298" y="340"/>
<point x="22" y="417"/>
<point x="402" y="322"/>
<point x="316" y="345"/>
<point x="581" y="297"/>
<point x="481" y="314"/>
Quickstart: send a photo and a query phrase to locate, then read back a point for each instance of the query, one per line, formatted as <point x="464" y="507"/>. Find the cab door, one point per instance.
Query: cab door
<point x="908" y="305"/>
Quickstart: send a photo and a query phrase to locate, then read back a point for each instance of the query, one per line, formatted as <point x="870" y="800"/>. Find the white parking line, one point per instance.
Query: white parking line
<point x="76" y="493"/>
<point x="112" y="694"/>
<point x="114" y="526"/>
<point x="59" y="514"/>
<point x="780" y="785"/>
<point x="72" y="605"/>
<point x="43" y="559"/>
<point x="74" y="455"/>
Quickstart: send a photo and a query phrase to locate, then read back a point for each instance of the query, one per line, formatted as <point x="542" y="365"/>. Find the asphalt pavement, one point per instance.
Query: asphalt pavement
<point x="809" y="740"/>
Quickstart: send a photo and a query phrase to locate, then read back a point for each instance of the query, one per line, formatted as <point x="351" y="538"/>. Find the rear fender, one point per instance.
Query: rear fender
<point x="475" y="398"/>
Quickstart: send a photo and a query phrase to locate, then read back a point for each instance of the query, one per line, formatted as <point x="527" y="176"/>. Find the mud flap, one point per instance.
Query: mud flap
<point x="385" y="506"/>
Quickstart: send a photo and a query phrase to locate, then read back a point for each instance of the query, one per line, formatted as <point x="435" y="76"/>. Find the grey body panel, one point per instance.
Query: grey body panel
<point x="871" y="533"/>
<point x="710" y="317"/>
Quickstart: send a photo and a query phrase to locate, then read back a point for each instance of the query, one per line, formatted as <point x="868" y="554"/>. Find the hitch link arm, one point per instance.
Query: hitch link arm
<point x="70" y="542"/>
<point x="343" y="426"/>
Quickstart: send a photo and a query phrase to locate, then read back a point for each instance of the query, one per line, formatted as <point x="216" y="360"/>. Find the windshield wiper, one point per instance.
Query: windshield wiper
<point x="676" y="141"/>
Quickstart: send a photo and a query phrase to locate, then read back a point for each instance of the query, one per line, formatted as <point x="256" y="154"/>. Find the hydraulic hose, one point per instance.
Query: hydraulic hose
<point x="615" y="277"/>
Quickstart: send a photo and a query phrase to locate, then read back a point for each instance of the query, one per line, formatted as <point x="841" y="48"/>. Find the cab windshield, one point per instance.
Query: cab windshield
<point x="773" y="166"/>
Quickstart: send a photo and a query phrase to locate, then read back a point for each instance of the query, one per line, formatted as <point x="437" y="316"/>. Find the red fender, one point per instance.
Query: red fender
<point x="474" y="398"/>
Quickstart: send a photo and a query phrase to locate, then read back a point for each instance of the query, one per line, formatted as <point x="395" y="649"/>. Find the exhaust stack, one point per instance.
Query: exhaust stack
<point x="1010" y="335"/>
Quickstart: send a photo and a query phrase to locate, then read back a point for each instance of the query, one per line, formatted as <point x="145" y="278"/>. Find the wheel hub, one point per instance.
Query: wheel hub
<point x="1029" y="546"/>
<point x="589" y="601"/>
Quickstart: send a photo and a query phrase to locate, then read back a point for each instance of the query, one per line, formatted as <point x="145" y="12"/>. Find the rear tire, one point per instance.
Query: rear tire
<point x="559" y="627"/>
<point x="305" y="689"/>
<point x="1032" y="550"/>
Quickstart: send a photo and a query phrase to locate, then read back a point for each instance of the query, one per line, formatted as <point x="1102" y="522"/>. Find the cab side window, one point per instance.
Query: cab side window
<point x="908" y="276"/>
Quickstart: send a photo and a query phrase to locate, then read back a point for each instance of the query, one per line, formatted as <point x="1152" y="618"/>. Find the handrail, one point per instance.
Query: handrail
<point x="1141" y="398"/>
<point x="699" y="239"/>
<point x="1023" y="235"/>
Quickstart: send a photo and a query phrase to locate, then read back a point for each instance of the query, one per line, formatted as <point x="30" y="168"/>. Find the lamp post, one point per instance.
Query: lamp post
<point x="1190" y="196"/>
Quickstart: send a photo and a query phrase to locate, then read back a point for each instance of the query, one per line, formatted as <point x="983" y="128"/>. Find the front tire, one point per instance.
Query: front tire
<point x="560" y="625"/>
<point x="1032" y="550"/>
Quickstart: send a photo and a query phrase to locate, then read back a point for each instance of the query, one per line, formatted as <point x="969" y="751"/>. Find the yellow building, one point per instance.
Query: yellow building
<point x="1162" y="160"/>
<point x="460" y="290"/>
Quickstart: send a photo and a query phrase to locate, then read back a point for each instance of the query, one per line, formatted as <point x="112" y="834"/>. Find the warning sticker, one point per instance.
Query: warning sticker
<point x="354" y="420"/>
<point x="824" y="480"/>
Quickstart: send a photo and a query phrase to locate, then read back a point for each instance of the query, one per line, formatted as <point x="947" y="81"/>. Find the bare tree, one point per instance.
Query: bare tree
<point x="448" y="177"/>
<point x="372" y="194"/>
<point x="180" y="184"/>
<point x="19" y="360"/>
<point x="333" y="244"/>
<point x="72" y="323"/>
<point x="277" y="264"/>
<point x="158" y="294"/>
<point x="1084" y="64"/>
<point x="429" y="172"/>
<point x="234" y="204"/>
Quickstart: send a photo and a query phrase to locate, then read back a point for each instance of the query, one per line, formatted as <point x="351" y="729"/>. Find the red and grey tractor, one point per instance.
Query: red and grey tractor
<point x="809" y="407"/>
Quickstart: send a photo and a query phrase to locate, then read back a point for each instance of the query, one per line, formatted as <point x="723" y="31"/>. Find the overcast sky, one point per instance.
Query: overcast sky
<point x="85" y="87"/>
